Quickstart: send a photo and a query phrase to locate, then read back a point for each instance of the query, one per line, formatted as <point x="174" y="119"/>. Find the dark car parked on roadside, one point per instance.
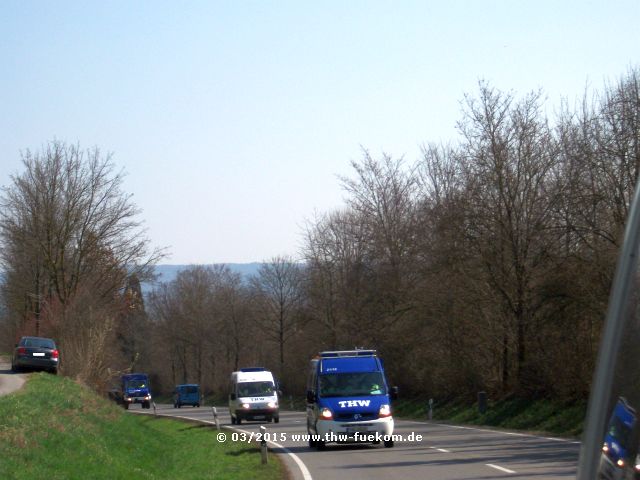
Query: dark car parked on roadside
<point x="35" y="353"/>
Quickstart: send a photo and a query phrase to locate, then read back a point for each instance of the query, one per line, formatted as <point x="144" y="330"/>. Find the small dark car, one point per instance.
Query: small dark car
<point x="36" y="353"/>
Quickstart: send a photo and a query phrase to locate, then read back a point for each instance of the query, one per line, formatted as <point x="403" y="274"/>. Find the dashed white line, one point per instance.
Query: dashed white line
<point x="440" y="449"/>
<point x="498" y="467"/>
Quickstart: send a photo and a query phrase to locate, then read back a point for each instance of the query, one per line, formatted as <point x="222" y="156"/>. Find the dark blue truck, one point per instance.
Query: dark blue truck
<point x="135" y="389"/>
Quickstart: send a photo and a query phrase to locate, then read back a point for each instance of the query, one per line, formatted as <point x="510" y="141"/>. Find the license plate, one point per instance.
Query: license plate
<point x="357" y="429"/>
<point x="36" y="354"/>
<point x="258" y="417"/>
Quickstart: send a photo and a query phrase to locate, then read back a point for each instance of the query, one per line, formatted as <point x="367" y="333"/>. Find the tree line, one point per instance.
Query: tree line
<point x="485" y="264"/>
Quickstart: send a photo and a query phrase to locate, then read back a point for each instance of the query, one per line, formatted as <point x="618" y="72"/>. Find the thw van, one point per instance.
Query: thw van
<point x="187" y="394"/>
<point x="619" y="459"/>
<point x="348" y="399"/>
<point x="253" y="396"/>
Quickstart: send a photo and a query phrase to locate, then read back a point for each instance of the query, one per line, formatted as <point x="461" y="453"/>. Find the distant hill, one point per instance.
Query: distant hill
<point x="167" y="273"/>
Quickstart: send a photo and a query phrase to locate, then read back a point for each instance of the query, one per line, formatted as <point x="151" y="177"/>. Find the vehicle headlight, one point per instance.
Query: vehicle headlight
<point x="272" y="404"/>
<point x="385" y="411"/>
<point x="246" y="405"/>
<point x="325" y="414"/>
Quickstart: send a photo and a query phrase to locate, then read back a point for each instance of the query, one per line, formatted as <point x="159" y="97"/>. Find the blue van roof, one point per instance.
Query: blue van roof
<point x="625" y="413"/>
<point x="349" y="364"/>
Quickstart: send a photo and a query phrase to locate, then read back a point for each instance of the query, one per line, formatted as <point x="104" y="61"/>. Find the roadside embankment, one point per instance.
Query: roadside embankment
<point x="54" y="428"/>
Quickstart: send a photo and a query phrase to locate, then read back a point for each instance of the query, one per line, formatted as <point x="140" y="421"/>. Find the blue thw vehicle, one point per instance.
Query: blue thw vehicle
<point x="187" y="394"/>
<point x="348" y="399"/>
<point x="618" y="460"/>
<point x="135" y="389"/>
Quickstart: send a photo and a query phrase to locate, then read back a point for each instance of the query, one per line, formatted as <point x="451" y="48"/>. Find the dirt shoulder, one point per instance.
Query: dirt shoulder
<point x="9" y="381"/>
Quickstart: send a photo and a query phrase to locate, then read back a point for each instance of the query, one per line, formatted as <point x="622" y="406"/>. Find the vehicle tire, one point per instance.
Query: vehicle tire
<point x="276" y="419"/>
<point x="233" y="420"/>
<point x="179" y="405"/>
<point x="126" y="405"/>
<point x="321" y="445"/>
<point x="53" y="371"/>
<point x="175" y="405"/>
<point x="238" y="421"/>
<point x="15" y="369"/>
<point x="388" y="443"/>
<point x="197" y="405"/>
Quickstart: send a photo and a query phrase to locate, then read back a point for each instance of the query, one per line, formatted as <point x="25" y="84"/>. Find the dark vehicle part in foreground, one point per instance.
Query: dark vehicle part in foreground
<point x="610" y="447"/>
<point x="35" y="353"/>
<point x="135" y="389"/>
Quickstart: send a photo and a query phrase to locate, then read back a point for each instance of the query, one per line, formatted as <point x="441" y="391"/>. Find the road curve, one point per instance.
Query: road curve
<point x="443" y="452"/>
<point x="9" y="381"/>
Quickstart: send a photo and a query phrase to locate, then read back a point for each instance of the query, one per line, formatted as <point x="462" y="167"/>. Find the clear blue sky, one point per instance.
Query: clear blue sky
<point x="233" y="118"/>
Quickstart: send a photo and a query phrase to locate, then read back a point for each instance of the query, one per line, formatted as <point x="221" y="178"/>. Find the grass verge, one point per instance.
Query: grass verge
<point x="56" y="429"/>
<point x="540" y="416"/>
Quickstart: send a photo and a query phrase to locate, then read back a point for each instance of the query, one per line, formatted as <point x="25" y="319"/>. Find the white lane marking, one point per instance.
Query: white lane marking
<point x="440" y="449"/>
<point x="498" y="467"/>
<point x="306" y="475"/>
<point x="499" y="432"/>
<point x="303" y="468"/>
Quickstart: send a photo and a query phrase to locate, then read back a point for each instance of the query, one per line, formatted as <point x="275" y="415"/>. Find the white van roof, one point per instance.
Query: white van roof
<point x="260" y="376"/>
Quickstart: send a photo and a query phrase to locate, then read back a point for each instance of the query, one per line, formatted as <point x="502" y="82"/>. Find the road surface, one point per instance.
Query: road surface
<point x="9" y="381"/>
<point x="443" y="452"/>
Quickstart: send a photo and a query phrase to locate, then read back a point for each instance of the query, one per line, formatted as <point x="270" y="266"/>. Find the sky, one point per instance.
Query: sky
<point x="234" y="120"/>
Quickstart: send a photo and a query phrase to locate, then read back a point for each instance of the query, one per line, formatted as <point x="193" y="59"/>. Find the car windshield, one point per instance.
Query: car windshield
<point x="253" y="389"/>
<point x="39" y="343"/>
<point x="352" y="384"/>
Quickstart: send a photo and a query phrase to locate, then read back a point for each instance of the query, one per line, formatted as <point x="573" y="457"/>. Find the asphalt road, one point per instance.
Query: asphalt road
<point x="444" y="452"/>
<point x="9" y="381"/>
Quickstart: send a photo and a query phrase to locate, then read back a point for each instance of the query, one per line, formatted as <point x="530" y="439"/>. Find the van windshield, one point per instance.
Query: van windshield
<point x="620" y="432"/>
<point x="136" y="383"/>
<point x="255" y="389"/>
<point x="352" y="384"/>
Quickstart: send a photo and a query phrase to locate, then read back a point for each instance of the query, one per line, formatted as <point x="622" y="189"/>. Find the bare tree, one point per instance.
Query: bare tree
<point x="66" y="226"/>
<point x="278" y="299"/>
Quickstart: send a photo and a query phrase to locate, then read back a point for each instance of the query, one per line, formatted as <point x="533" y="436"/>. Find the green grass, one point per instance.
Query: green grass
<point x="56" y="429"/>
<point x="540" y="416"/>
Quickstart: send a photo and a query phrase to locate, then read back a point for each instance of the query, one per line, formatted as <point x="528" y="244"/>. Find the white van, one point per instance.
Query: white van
<point x="253" y="396"/>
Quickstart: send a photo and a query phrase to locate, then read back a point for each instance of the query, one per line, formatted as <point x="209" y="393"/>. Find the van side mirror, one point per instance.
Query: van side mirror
<point x="311" y="396"/>
<point x="232" y="396"/>
<point x="279" y="393"/>
<point x="393" y="393"/>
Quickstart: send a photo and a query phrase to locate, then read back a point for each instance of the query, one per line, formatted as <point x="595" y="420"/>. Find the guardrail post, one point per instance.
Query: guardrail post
<point x="430" y="410"/>
<point x="154" y="409"/>
<point x="291" y="401"/>
<point x="263" y="444"/>
<point x="215" y="417"/>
